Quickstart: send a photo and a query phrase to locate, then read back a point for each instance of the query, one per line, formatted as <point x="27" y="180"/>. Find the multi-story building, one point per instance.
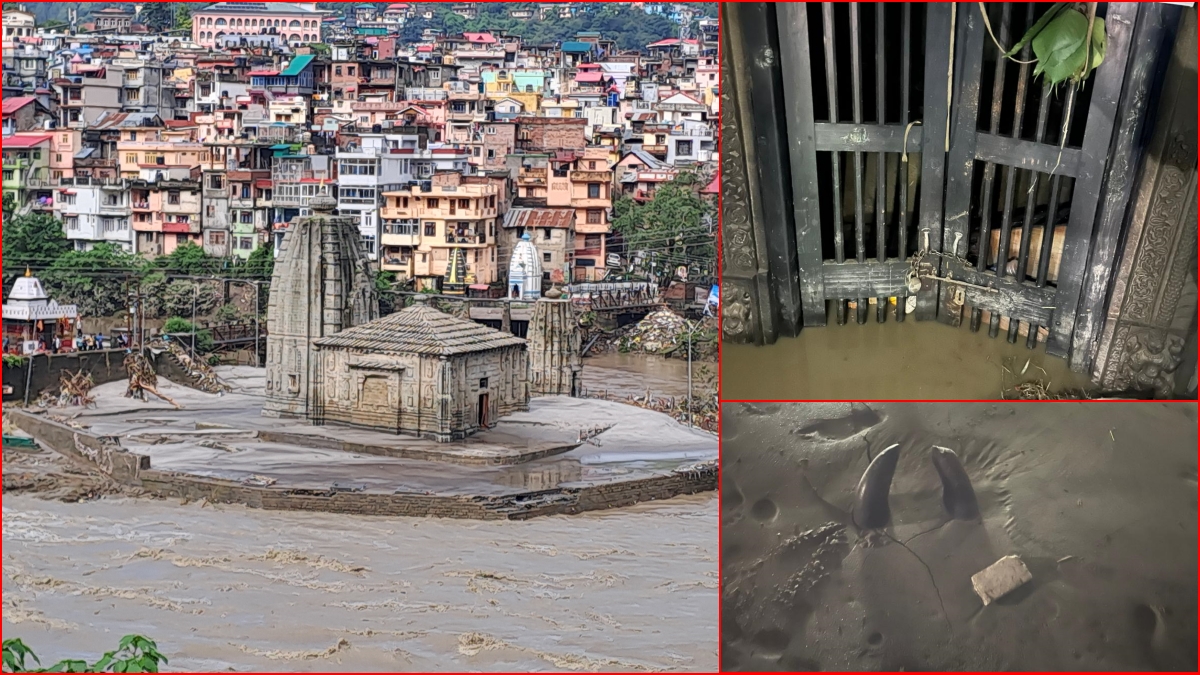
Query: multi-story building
<point x="27" y="170"/>
<point x="366" y="165"/>
<point x="297" y="23"/>
<point x="95" y="210"/>
<point x="166" y="209"/>
<point x="430" y="227"/>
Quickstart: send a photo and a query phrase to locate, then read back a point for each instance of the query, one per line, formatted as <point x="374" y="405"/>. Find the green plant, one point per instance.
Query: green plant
<point x="1060" y="42"/>
<point x="14" y="360"/>
<point x="183" y="329"/>
<point x="134" y="654"/>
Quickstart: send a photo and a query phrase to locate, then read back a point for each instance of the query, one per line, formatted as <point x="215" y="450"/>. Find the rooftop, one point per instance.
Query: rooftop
<point x="259" y="8"/>
<point x="421" y="329"/>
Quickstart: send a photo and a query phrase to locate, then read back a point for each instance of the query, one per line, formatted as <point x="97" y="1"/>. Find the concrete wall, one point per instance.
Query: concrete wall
<point x="105" y="454"/>
<point x="105" y="366"/>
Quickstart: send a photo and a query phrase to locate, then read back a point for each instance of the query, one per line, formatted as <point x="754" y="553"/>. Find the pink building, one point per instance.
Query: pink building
<point x="296" y="23"/>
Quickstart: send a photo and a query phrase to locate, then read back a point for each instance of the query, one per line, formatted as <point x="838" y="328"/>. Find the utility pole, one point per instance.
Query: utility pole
<point x="689" y="355"/>
<point x="257" y="332"/>
<point x="195" y="293"/>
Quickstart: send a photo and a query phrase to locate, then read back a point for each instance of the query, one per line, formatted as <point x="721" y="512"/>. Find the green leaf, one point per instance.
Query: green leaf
<point x="1099" y="45"/>
<point x="1060" y="46"/>
<point x="1036" y="28"/>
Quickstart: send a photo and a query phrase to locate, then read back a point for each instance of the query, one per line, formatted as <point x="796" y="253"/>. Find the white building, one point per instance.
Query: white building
<point x="94" y="210"/>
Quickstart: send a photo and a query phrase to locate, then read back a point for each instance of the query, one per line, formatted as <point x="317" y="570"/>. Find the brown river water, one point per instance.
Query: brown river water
<point x="223" y="587"/>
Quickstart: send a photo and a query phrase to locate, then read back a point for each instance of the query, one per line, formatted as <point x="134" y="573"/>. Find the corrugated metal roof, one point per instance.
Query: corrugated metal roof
<point x="538" y="217"/>
<point x="421" y="329"/>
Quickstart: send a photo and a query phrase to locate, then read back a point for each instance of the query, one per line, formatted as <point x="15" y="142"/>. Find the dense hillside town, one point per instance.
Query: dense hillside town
<point x="217" y="125"/>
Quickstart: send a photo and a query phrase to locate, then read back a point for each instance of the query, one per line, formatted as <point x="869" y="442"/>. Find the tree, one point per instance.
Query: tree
<point x="156" y="16"/>
<point x="183" y="17"/>
<point x="672" y="229"/>
<point x="413" y="29"/>
<point x="189" y="259"/>
<point x="33" y="240"/>
<point x="96" y="280"/>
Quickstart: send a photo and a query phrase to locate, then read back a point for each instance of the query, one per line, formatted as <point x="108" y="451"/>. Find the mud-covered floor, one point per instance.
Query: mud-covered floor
<point x="909" y="360"/>
<point x="1098" y="499"/>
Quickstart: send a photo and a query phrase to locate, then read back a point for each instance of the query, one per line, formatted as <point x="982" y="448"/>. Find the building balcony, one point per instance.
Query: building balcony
<point x="470" y="240"/>
<point x="141" y="206"/>
<point x="241" y="202"/>
<point x="399" y="239"/>
<point x="403" y="267"/>
<point x="586" y="203"/>
<point x="593" y="251"/>
<point x="590" y="176"/>
<point x="114" y="210"/>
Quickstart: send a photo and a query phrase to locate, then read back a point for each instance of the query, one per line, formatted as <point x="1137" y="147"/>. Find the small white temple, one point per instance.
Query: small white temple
<point x="525" y="271"/>
<point x="30" y="316"/>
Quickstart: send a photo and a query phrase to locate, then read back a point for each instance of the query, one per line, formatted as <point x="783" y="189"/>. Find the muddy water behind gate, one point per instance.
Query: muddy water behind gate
<point x="910" y="360"/>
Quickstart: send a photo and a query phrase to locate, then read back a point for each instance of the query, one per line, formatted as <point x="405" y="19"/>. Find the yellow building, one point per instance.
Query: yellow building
<point x="426" y="229"/>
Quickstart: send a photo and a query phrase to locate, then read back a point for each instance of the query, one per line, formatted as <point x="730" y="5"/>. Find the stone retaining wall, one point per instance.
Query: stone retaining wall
<point x="105" y="454"/>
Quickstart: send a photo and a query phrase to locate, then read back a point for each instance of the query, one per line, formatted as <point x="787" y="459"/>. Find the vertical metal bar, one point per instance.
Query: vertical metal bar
<point x="856" y="87"/>
<point x="902" y="170"/>
<point x="758" y="33"/>
<point x="961" y="164"/>
<point x="1147" y="57"/>
<point x="989" y="169"/>
<point x="1055" y="184"/>
<point x="1022" y="273"/>
<point x="933" y="150"/>
<point x="1085" y="198"/>
<point x="839" y="238"/>
<point x="881" y="161"/>
<point x="1013" y="177"/>
<point x="796" y="61"/>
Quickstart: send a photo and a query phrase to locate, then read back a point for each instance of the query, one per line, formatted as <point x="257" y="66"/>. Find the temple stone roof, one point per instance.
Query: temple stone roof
<point x="421" y="329"/>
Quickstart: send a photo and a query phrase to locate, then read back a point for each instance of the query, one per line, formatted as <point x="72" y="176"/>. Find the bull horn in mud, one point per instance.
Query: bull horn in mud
<point x="871" y="498"/>
<point x="957" y="494"/>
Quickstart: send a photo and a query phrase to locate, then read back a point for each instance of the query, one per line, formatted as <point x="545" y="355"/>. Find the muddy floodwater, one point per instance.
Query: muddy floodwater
<point x="224" y="587"/>
<point x="227" y="587"/>
<point x="1098" y="500"/>
<point x="909" y="360"/>
<point x="633" y="374"/>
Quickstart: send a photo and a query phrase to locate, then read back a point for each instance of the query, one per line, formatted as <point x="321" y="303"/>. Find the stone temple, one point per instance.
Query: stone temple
<point x="422" y="372"/>
<point x="419" y="371"/>
<point x="322" y="284"/>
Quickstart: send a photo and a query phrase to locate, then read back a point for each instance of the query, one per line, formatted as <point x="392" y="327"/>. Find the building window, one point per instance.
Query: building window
<point x="58" y="156"/>
<point x="547" y="233"/>
<point x="430" y="229"/>
<point x="593" y="190"/>
<point x="595" y="217"/>
<point x="245" y="243"/>
<point x="546" y="257"/>
<point x="216" y="238"/>
<point x="131" y="158"/>
<point x="431" y="203"/>
<point x="350" y="70"/>
<point x="72" y="222"/>
<point x="591" y="241"/>
<point x="173" y="197"/>
<point x="247" y="217"/>
<point x="65" y="199"/>
<point x="591" y="166"/>
<point x="337" y="70"/>
<point x="464" y="203"/>
<point x="368" y="241"/>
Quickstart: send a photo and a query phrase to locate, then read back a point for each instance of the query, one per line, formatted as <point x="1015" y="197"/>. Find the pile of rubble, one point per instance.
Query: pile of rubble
<point x="73" y="389"/>
<point x="662" y="333"/>
<point x="142" y="379"/>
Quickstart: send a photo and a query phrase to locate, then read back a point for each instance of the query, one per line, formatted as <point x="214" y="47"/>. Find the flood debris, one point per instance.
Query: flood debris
<point x="256" y="480"/>
<point x="660" y="333"/>
<point x="1000" y="578"/>
<point x="201" y="375"/>
<point x="142" y="379"/>
<point x="74" y="389"/>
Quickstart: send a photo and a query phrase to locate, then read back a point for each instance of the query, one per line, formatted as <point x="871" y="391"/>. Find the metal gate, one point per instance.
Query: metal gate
<point x="928" y="174"/>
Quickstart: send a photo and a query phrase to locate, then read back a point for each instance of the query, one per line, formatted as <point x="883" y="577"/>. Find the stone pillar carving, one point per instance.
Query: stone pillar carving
<point x="747" y="305"/>
<point x="322" y="284"/>
<point x="1153" y="306"/>
<point x="555" y="345"/>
